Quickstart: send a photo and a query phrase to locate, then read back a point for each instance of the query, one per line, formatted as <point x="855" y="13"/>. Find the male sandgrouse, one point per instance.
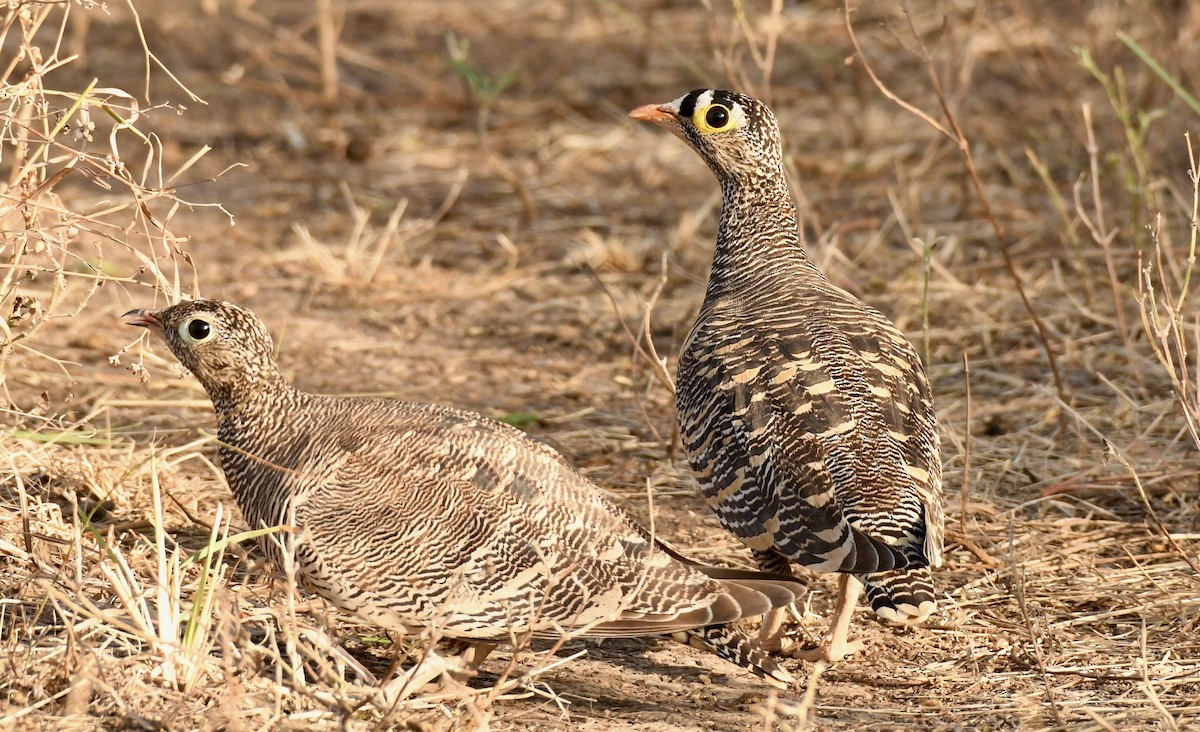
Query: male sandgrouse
<point x="418" y="516"/>
<point x="805" y="412"/>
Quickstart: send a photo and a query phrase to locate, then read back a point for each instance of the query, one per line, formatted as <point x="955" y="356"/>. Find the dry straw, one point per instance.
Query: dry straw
<point x="1070" y="601"/>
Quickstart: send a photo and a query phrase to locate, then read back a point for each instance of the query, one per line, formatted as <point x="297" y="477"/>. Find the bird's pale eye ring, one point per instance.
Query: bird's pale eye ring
<point x="713" y="118"/>
<point x="197" y="330"/>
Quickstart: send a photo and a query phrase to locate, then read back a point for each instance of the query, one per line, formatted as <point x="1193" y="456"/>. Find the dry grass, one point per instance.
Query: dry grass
<point x="408" y="225"/>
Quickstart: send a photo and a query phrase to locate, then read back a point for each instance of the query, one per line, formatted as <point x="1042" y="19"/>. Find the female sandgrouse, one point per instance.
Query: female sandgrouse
<point x="417" y="516"/>
<point x="805" y="412"/>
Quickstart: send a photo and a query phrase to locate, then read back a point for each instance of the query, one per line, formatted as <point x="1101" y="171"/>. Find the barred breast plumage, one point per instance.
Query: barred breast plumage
<point x="806" y="413"/>
<point x="418" y="516"/>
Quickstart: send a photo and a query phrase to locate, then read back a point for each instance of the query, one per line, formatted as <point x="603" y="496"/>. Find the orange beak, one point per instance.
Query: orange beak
<point x="655" y="113"/>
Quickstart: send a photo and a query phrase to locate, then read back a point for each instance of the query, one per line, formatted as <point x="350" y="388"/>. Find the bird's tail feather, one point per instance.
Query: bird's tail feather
<point x="743" y="593"/>
<point x="735" y="645"/>
<point x="752" y="593"/>
<point x="904" y="596"/>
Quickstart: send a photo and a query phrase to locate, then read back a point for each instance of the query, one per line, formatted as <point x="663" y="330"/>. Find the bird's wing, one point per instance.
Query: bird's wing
<point x="783" y="425"/>
<point x="911" y="423"/>
<point x="467" y="518"/>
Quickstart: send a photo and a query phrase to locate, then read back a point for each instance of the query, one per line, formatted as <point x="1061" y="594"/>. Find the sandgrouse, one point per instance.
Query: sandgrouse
<point x="424" y="517"/>
<point x="805" y="412"/>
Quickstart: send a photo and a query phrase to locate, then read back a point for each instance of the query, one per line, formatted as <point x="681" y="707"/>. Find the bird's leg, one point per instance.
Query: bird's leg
<point x="454" y="671"/>
<point x="770" y="633"/>
<point x="406" y="683"/>
<point x="471" y="658"/>
<point x="839" y="644"/>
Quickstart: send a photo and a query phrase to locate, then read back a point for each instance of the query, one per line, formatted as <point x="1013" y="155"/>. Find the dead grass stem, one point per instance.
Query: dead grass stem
<point x="439" y="268"/>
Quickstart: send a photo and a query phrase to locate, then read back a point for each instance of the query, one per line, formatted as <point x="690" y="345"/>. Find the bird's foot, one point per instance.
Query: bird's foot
<point x="773" y="643"/>
<point x="771" y="635"/>
<point x="828" y="652"/>
<point x="430" y="667"/>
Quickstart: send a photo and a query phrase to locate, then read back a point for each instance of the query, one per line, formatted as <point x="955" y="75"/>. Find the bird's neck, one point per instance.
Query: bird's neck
<point x="260" y="447"/>
<point x="759" y="232"/>
<point x="252" y="399"/>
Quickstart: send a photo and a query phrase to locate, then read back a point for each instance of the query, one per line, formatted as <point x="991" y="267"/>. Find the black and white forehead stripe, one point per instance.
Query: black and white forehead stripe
<point x="739" y="105"/>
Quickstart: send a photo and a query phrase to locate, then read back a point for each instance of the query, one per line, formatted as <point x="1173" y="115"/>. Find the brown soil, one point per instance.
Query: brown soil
<point x="1072" y="599"/>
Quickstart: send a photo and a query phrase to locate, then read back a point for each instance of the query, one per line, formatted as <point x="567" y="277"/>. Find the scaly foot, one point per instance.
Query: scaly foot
<point x="770" y="634"/>
<point x="828" y="652"/>
<point x="406" y="683"/>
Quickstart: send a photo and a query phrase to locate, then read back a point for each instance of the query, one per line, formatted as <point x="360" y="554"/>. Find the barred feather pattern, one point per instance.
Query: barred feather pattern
<point x="418" y="516"/>
<point x="806" y="413"/>
<point x="734" y="645"/>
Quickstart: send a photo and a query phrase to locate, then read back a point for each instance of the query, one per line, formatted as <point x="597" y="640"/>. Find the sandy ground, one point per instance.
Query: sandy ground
<point x="396" y="249"/>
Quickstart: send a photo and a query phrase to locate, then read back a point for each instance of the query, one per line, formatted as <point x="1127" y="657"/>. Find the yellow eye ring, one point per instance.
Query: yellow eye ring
<point x="713" y="118"/>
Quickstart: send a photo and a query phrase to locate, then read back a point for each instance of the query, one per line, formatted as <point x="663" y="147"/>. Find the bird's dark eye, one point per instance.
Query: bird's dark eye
<point x="196" y="330"/>
<point x="199" y="329"/>
<point x="716" y="117"/>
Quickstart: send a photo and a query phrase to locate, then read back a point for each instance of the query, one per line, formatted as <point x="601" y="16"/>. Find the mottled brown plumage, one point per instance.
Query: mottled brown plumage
<point x="805" y="412"/>
<point x="424" y="517"/>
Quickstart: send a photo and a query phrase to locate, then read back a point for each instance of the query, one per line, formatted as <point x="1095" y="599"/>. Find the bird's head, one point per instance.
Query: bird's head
<point x="225" y="346"/>
<point x="736" y="135"/>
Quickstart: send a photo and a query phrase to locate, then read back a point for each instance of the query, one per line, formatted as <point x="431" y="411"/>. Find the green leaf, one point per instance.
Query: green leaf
<point x="219" y="546"/>
<point x="1170" y="81"/>
<point x="83" y="437"/>
<point x="519" y="419"/>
